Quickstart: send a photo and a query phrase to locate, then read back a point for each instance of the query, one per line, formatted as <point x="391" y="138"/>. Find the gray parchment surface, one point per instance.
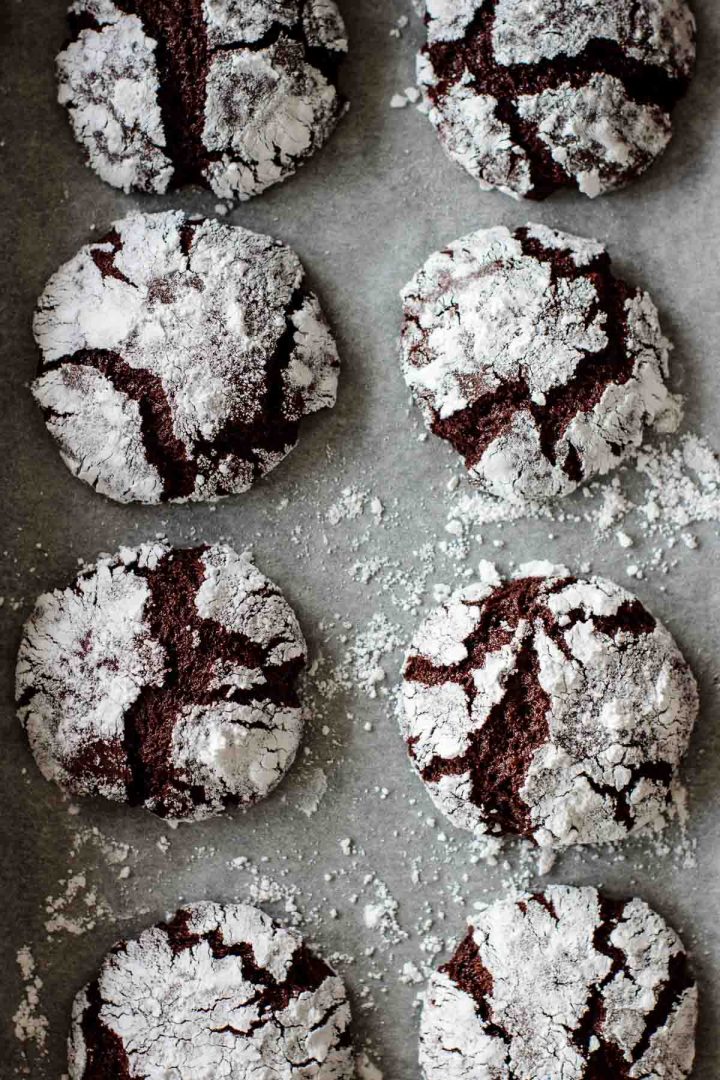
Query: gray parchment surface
<point x="362" y="215"/>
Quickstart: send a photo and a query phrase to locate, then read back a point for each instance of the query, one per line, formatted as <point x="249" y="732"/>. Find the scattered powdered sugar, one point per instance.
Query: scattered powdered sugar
<point x="261" y="889"/>
<point x="31" y="1025"/>
<point x="380" y="915"/>
<point x="683" y="484"/>
<point x="365" y="657"/>
<point x="76" y="909"/>
<point x="474" y="510"/>
<point x="668" y="487"/>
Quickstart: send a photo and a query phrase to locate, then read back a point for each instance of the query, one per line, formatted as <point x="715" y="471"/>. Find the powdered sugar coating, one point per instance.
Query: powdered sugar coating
<point x="563" y="985"/>
<point x="229" y="21"/>
<point x="538" y="365"/>
<point x="617" y="132"/>
<point x="227" y="94"/>
<point x="109" y="83"/>
<point x="660" y="32"/>
<point x="178" y="358"/>
<point x="219" y="990"/>
<point x="553" y="708"/>
<point x="533" y="97"/>
<point x="164" y="678"/>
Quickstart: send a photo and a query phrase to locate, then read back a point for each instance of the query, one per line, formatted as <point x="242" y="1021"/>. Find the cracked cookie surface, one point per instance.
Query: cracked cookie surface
<point x="562" y="985"/>
<point x="219" y="990"/>
<point x="164" y="678"/>
<point x="229" y="94"/>
<point x="532" y="97"/>
<point x="178" y="358"/>
<point x="536" y="363"/>
<point x="551" y="708"/>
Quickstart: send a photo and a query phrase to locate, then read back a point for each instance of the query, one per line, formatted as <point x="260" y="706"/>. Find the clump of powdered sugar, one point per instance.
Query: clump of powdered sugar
<point x="30" y="1025"/>
<point x="380" y="914"/>
<point x="500" y="1001"/>
<point x="366" y="1069"/>
<point x="315" y="785"/>
<point x="75" y="910"/>
<point x="683" y="484"/>
<point x="161" y="346"/>
<point x="348" y="506"/>
<point x="588" y="123"/>
<point x="257" y="92"/>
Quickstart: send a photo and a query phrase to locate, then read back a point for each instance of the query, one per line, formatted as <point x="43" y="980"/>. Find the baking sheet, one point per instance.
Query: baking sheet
<point x="362" y="215"/>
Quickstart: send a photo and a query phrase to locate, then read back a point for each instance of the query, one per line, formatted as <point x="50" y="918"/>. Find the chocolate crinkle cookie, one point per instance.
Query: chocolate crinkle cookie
<point x="178" y="358"/>
<point x="548" y="707"/>
<point x="219" y="991"/>
<point x="164" y="678"/>
<point x="229" y="94"/>
<point x="534" y="96"/>
<point x="564" y="984"/>
<point x="536" y="363"/>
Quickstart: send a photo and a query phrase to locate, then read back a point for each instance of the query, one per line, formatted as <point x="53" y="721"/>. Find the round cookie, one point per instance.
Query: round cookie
<point x="536" y="363"/>
<point x="565" y="984"/>
<point x="230" y="95"/>
<point x="164" y="678"/>
<point x="532" y="97"/>
<point x="178" y="358"/>
<point x="552" y="708"/>
<point x="218" y="991"/>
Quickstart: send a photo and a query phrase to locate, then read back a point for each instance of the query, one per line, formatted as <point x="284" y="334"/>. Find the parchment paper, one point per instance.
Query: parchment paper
<point x="362" y="215"/>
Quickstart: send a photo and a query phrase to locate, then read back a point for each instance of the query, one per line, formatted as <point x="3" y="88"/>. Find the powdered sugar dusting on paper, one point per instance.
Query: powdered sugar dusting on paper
<point x="683" y="484"/>
<point x="30" y="1025"/>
